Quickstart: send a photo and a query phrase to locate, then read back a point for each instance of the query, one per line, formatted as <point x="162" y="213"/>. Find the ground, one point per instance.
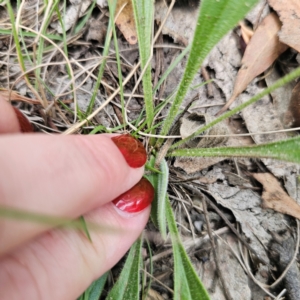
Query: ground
<point x="253" y="244"/>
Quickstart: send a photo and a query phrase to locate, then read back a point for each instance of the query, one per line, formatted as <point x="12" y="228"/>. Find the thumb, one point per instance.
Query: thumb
<point x="60" y="176"/>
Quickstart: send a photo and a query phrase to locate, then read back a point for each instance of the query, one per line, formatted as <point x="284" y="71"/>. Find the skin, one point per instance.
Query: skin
<point x="65" y="176"/>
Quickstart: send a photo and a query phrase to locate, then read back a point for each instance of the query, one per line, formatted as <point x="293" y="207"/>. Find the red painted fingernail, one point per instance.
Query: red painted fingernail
<point x="137" y="198"/>
<point x="23" y="121"/>
<point x="132" y="149"/>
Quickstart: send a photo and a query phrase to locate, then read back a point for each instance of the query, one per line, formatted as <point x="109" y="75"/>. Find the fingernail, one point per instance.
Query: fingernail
<point x="137" y="198"/>
<point x="132" y="149"/>
<point x="25" y="125"/>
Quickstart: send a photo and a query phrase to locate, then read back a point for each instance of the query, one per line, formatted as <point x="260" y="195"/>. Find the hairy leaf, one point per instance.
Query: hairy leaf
<point x="287" y="150"/>
<point x="94" y="291"/>
<point x="162" y="186"/>
<point x="187" y="284"/>
<point x="127" y="286"/>
<point x="143" y="15"/>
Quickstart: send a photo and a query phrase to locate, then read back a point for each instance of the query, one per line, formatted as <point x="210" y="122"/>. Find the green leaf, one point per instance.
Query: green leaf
<point x="153" y="178"/>
<point x="94" y="291"/>
<point x="215" y="19"/>
<point x="162" y="197"/>
<point x="288" y="150"/>
<point x="160" y="184"/>
<point x="143" y="15"/>
<point x="187" y="285"/>
<point x="127" y="285"/>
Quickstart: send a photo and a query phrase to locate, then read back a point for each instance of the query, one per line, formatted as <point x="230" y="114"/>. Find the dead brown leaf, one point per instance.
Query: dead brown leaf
<point x="96" y="31"/>
<point x="246" y="32"/>
<point x="262" y="50"/>
<point x="289" y="14"/>
<point x="125" y="20"/>
<point x="275" y="197"/>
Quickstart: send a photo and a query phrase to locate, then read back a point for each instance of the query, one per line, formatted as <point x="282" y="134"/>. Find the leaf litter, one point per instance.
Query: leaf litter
<point x="289" y="14"/>
<point x="227" y="183"/>
<point x="262" y="50"/>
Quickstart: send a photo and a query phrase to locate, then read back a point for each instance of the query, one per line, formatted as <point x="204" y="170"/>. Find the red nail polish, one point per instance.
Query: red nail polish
<point x="25" y="125"/>
<point x="137" y="198"/>
<point x="132" y="149"/>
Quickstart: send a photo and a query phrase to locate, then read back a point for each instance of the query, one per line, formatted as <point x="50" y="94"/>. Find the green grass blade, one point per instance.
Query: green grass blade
<point x="85" y="228"/>
<point x="52" y="221"/>
<point x="127" y="285"/>
<point x="112" y="6"/>
<point x="15" y="36"/>
<point x="41" y="42"/>
<point x="171" y="67"/>
<point x="94" y="291"/>
<point x="86" y="18"/>
<point x="157" y="109"/>
<point x="143" y="15"/>
<point x="287" y="150"/>
<point x="215" y="19"/>
<point x="119" y="68"/>
<point x="30" y="34"/>
<point x="187" y="285"/>
<point x="279" y="83"/>
<point x="150" y="168"/>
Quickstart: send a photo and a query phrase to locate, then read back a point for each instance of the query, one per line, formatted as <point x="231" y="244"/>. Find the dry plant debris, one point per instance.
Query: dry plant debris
<point x="292" y="114"/>
<point x="289" y="14"/>
<point x="73" y="12"/>
<point x="262" y="50"/>
<point x="125" y="21"/>
<point x="275" y="197"/>
<point x="283" y="252"/>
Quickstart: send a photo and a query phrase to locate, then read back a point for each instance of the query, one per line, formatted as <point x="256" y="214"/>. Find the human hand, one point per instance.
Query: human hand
<point x="65" y="176"/>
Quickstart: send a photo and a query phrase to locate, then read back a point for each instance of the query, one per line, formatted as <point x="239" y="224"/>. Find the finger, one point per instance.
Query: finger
<point x="8" y="120"/>
<point x="62" y="264"/>
<point x="59" y="176"/>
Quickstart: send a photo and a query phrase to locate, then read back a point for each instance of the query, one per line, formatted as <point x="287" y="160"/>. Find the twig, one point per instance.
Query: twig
<point x="214" y="207"/>
<point x="158" y="281"/>
<point x="243" y="262"/>
<point x="187" y="245"/>
<point x="215" y="251"/>
<point x="281" y="294"/>
<point x="206" y="77"/>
